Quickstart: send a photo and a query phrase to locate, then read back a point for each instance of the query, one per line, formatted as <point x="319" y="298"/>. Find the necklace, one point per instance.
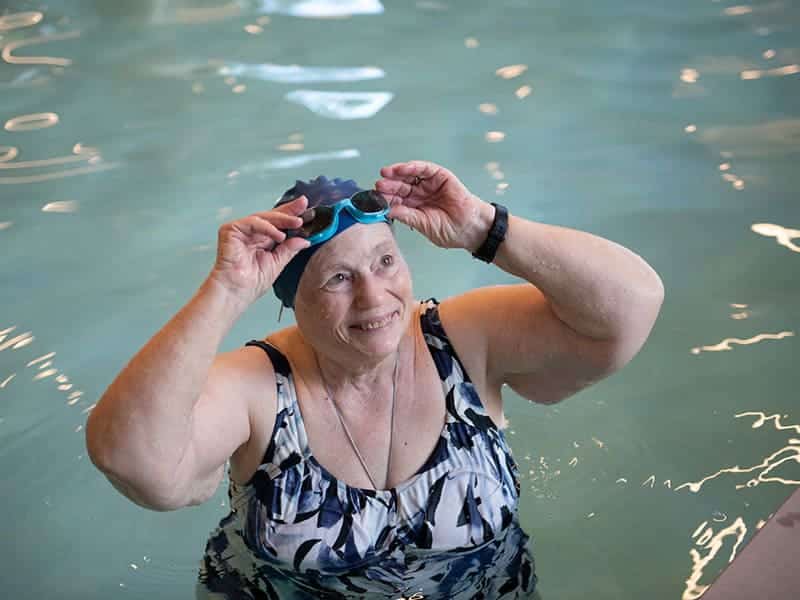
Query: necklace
<point x="347" y="431"/>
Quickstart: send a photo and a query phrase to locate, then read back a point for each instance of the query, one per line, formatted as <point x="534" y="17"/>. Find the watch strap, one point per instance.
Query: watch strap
<point x="497" y="233"/>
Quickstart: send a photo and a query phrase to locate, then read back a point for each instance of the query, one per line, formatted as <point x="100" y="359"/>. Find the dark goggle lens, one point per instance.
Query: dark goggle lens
<point x="369" y="201"/>
<point x="315" y="220"/>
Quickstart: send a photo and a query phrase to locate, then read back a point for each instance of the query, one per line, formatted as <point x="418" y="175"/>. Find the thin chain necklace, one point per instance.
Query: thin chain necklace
<point x="347" y="431"/>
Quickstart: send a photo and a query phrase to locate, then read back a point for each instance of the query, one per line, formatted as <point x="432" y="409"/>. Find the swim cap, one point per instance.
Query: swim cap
<point x="320" y="192"/>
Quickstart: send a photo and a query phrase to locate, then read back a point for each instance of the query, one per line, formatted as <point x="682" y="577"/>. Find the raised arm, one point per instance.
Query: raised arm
<point x="162" y="431"/>
<point x="587" y="309"/>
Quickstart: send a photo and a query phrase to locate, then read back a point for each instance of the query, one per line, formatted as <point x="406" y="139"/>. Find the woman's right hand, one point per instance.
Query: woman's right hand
<point x="251" y="252"/>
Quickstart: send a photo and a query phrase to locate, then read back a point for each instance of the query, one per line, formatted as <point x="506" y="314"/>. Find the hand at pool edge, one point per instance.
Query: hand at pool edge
<point x="432" y="200"/>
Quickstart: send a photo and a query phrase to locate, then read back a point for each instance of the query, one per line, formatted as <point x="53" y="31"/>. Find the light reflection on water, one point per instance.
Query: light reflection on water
<point x="13" y="59"/>
<point x="782" y="235"/>
<point x="788" y="454"/>
<point x="497" y="143"/>
<point x="202" y="12"/>
<point x="341" y="105"/>
<point x="43" y="365"/>
<point x="322" y="8"/>
<point x="36" y="121"/>
<point x="726" y="343"/>
<point x="706" y="539"/>
<point x="19" y="20"/>
<point x="32" y="121"/>
<point x="10" y="153"/>
<point x="300" y="74"/>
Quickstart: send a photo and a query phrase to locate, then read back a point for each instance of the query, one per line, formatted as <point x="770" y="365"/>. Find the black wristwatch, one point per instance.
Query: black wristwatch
<point x="497" y="233"/>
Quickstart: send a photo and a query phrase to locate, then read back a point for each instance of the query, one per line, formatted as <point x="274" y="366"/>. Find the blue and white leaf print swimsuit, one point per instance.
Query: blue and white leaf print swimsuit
<point x="451" y="531"/>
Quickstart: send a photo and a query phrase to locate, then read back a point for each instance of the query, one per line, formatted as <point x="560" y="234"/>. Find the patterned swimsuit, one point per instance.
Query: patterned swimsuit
<point x="451" y="531"/>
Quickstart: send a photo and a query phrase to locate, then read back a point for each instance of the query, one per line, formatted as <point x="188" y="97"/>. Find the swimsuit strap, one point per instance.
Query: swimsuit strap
<point x="462" y="400"/>
<point x="288" y="443"/>
<point x="282" y="370"/>
<point x="444" y="355"/>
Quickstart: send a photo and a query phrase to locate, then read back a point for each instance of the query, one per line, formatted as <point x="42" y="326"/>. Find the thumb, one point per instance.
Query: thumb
<point x="286" y="251"/>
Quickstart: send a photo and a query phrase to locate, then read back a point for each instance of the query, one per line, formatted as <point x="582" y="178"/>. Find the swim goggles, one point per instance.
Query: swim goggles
<point x="322" y="222"/>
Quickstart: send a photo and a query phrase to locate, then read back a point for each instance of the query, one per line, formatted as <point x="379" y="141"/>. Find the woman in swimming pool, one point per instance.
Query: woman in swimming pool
<point x="365" y="444"/>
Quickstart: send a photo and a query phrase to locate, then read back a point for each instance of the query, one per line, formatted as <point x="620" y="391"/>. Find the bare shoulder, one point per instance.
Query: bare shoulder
<point x="246" y="377"/>
<point x="242" y="371"/>
<point x="512" y="335"/>
<point x="460" y="317"/>
<point x="472" y="320"/>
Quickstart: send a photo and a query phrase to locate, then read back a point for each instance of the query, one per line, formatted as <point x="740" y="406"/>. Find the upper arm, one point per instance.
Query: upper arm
<point x="240" y="388"/>
<point x="524" y="344"/>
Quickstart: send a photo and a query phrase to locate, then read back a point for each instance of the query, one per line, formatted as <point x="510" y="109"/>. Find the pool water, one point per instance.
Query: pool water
<point x="131" y="131"/>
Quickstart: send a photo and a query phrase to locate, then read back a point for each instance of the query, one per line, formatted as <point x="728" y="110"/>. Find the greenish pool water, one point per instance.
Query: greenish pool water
<point x="130" y="133"/>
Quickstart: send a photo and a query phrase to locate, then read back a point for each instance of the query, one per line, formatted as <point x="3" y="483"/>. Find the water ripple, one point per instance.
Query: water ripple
<point x="726" y="343"/>
<point x="20" y="20"/>
<point x="38" y="60"/>
<point x="341" y="105"/>
<point x="705" y="539"/>
<point x="300" y="74"/>
<point x="80" y="153"/>
<point x="322" y="8"/>
<point x="782" y="235"/>
<point x="790" y="453"/>
<point x="32" y="121"/>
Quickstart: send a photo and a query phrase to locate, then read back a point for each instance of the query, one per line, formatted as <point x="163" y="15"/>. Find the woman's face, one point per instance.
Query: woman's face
<point x="355" y="298"/>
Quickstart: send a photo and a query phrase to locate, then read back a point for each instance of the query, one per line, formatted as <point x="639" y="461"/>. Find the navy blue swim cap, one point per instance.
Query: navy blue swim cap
<point x="320" y="192"/>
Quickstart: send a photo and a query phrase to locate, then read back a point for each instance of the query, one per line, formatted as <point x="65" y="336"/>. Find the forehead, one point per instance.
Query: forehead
<point x="354" y="245"/>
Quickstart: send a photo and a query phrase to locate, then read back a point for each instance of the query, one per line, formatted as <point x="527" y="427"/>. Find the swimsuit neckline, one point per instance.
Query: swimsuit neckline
<point x="386" y="492"/>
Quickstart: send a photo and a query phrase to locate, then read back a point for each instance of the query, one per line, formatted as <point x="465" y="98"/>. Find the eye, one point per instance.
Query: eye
<point x="337" y="279"/>
<point x="387" y="260"/>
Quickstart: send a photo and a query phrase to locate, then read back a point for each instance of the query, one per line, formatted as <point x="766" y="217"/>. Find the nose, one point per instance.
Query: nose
<point x="370" y="291"/>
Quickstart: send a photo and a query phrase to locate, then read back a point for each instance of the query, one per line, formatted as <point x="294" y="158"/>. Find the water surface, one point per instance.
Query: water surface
<point x="131" y="133"/>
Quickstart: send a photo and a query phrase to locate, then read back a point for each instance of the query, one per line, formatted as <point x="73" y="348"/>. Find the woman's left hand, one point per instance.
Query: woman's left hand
<point x="429" y="198"/>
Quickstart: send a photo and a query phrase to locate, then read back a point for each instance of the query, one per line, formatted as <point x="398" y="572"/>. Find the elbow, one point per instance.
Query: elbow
<point x="650" y="306"/>
<point x="653" y="290"/>
<point x="93" y="437"/>
<point x="656" y="292"/>
<point x="102" y="445"/>
<point x="159" y="498"/>
<point x="128" y="476"/>
<point x="146" y="498"/>
<point x="622" y="348"/>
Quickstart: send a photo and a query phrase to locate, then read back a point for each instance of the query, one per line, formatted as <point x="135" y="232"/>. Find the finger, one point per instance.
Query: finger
<point x="404" y="169"/>
<point x="283" y="253"/>
<point x="392" y="188"/>
<point x="410" y="216"/>
<point x="390" y="171"/>
<point x="411" y="169"/>
<point x="425" y="178"/>
<point x="398" y="192"/>
<point x="285" y="216"/>
<point x="281" y="220"/>
<point x="416" y="182"/>
<point x="295" y="207"/>
<point x="256" y="229"/>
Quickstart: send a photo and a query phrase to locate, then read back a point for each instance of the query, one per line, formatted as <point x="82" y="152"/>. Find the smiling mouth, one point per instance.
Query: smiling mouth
<point x="377" y="324"/>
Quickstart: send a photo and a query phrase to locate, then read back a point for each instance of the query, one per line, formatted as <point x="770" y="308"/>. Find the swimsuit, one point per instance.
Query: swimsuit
<point x="450" y="531"/>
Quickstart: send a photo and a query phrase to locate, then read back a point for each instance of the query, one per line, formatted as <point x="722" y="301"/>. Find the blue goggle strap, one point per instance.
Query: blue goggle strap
<point x="359" y="216"/>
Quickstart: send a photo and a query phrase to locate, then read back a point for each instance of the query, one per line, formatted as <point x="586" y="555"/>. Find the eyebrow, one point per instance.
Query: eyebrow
<point x="375" y="249"/>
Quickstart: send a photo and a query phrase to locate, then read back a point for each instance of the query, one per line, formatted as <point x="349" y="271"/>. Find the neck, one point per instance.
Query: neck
<point x="362" y="380"/>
